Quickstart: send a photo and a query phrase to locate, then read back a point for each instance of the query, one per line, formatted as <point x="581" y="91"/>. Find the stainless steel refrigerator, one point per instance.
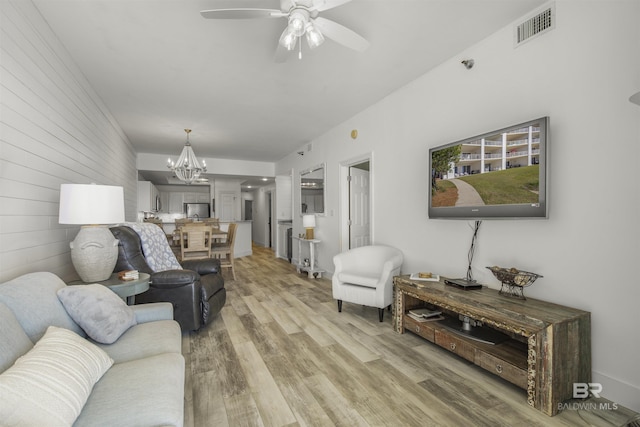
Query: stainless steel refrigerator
<point x="197" y="210"/>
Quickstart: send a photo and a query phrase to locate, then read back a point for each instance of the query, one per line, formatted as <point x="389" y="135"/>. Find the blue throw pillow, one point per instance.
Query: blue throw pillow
<point x="102" y="314"/>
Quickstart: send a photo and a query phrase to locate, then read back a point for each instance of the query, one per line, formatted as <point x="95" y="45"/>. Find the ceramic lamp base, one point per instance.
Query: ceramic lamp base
<point x="94" y="253"/>
<point x="309" y="234"/>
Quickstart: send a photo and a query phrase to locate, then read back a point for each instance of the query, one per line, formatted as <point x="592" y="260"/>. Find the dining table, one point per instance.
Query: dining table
<point x="218" y="235"/>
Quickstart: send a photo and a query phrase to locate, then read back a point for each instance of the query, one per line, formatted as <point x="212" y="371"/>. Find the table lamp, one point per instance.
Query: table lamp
<point x="94" y="252"/>
<point x="309" y="223"/>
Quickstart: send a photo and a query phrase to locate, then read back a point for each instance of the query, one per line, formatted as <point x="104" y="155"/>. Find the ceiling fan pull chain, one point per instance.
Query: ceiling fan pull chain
<point x="300" y="49"/>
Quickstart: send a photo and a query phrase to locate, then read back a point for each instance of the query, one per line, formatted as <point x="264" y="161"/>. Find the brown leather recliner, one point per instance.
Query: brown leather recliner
<point x="197" y="292"/>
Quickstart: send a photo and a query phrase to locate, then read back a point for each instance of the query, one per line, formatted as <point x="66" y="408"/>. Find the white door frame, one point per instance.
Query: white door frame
<point x="344" y="198"/>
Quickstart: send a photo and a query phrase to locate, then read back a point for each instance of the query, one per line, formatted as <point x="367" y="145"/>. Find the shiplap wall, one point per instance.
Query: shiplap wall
<point x="54" y="129"/>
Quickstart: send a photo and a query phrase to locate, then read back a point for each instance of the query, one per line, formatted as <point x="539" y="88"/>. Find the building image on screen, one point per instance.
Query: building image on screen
<point x="497" y="169"/>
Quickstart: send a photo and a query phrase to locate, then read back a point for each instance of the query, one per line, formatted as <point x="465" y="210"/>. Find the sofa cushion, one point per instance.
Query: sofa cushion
<point x="144" y="340"/>
<point x="358" y="278"/>
<point x="14" y="342"/>
<point x="50" y="384"/>
<point x="102" y="314"/>
<point x="33" y="299"/>
<point x="145" y="392"/>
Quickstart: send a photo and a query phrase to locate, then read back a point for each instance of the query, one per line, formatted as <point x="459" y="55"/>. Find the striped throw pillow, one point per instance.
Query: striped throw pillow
<point x="50" y="384"/>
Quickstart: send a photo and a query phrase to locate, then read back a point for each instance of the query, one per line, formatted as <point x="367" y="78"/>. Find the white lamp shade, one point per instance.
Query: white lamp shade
<point x="91" y="204"/>
<point x="309" y="221"/>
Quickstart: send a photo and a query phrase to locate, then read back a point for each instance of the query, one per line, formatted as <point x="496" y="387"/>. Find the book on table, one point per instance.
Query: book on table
<point x="425" y="314"/>
<point x="128" y="275"/>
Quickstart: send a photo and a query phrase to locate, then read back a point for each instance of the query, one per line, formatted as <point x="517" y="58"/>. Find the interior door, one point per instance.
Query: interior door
<point x="227" y="206"/>
<point x="359" y="215"/>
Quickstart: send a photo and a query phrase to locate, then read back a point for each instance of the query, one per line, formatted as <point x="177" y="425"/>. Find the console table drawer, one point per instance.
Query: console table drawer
<point x="424" y="329"/>
<point x="502" y="368"/>
<point x="455" y="345"/>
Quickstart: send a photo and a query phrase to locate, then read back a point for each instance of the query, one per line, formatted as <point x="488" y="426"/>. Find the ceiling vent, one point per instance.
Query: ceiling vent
<point x="536" y="25"/>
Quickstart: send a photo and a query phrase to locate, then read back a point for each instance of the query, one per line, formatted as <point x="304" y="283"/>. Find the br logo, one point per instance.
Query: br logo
<point x="582" y="390"/>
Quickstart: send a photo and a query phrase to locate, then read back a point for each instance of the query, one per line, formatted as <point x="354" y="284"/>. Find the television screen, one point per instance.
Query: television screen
<point x="499" y="174"/>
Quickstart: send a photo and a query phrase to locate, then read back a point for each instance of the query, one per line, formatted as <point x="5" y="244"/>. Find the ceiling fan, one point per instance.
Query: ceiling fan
<point x="303" y="20"/>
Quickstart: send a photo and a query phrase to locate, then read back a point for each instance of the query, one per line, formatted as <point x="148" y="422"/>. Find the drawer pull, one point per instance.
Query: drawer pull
<point x="417" y="328"/>
<point x="452" y="346"/>
<point x="499" y="368"/>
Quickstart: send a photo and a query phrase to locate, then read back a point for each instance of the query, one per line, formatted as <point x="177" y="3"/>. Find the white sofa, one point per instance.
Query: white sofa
<point x="143" y="387"/>
<point x="364" y="276"/>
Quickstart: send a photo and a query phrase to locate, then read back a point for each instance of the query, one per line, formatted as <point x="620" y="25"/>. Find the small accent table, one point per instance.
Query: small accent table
<point x="310" y="268"/>
<point x="125" y="289"/>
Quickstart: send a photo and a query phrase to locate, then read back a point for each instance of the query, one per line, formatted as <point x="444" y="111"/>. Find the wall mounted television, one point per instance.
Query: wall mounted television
<point x="499" y="174"/>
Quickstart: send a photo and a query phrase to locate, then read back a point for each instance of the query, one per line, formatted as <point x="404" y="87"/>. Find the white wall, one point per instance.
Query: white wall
<point x="581" y="75"/>
<point x="53" y="129"/>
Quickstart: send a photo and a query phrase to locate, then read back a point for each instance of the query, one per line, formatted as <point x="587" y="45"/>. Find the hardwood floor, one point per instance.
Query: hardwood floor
<point x="280" y="354"/>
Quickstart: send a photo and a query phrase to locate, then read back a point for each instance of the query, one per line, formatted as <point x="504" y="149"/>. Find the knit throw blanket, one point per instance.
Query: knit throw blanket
<point x="155" y="246"/>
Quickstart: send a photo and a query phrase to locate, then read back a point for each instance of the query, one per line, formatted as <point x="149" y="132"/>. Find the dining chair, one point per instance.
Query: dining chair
<point x="183" y="221"/>
<point x="156" y="221"/>
<point x="195" y="242"/>
<point x="224" y="251"/>
<point x="214" y="222"/>
<point x="176" y="233"/>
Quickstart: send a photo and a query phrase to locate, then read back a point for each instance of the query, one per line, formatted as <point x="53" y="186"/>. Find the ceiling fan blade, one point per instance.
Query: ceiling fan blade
<point x="321" y="5"/>
<point x="241" y="13"/>
<point x="341" y="34"/>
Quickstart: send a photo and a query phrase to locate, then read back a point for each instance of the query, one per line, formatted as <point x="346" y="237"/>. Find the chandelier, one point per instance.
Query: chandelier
<point x="187" y="168"/>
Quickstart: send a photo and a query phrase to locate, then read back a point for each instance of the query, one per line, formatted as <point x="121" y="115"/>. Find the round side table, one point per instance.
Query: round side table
<point x="125" y="289"/>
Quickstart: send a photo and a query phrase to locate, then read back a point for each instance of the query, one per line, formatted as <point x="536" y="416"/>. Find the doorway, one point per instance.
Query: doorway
<point x="248" y="210"/>
<point x="356" y="202"/>
<point x="269" y="217"/>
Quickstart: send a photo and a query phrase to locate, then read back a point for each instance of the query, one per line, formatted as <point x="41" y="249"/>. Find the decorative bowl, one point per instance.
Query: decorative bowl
<point x="513" y="280"/>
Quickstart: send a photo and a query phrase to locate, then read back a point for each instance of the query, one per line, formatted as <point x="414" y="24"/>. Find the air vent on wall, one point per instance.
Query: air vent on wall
<point x="536" y="25"/>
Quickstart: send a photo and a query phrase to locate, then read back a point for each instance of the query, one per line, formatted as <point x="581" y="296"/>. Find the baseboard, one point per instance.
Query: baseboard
<point x="243" y="253"/>
<point x="617" y="391"/>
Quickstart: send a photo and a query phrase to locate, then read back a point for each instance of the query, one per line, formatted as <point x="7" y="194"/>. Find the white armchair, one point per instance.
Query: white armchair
<point x="364" y="276"/>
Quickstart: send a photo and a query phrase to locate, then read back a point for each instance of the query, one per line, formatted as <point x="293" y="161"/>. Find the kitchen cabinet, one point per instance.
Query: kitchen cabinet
<point x="193" y="197"/>
<point x="148" y="197"/>
<point x="164" y="202"/>
<point x="189" y="197"/>
<point x="177" y="199"/>
<point x="176" y="202"/>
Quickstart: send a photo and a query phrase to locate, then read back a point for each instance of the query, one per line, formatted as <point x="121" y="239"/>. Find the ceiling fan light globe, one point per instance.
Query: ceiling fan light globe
<point x="314" y="36"/>
<point x="288" y="39"/>
<point x="297" y="23"/>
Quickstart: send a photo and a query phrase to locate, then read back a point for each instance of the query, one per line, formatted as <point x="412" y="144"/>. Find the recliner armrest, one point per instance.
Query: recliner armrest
<point x="202" y="266"/>
<point x="173" y="278"/>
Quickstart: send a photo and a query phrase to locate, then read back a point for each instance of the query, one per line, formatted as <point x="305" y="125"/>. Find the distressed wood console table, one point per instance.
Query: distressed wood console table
<point x="549" y="345"/>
